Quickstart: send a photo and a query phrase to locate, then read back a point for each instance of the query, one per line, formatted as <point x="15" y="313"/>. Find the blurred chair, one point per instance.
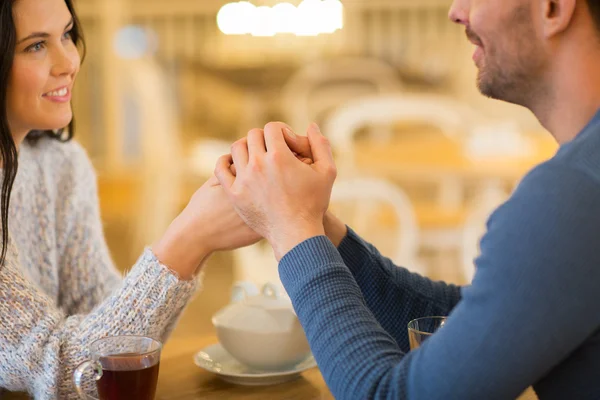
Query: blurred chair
<point x="319" y="88"/>
<point x="376" y="209"/>
<point x="444" y="113"/>
<point x="426" y="120"/>
<point x="382" y="213"/>
<point x="450" y="117"/>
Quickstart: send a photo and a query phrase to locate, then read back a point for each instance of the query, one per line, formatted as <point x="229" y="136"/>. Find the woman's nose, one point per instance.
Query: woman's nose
<point x="66" y="61"/>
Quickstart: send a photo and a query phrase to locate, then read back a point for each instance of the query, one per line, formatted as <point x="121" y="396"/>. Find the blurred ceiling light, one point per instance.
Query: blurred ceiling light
<point x="236" y="18"/>
<point x="310" y="18"/>
<point x="285" y="18"/>
<point x="133" y="42"/>
<point x="264" y="22"/>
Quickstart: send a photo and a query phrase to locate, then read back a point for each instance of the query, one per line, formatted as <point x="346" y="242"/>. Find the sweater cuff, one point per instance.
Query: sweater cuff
<point x="161" y="283"/>
<point x="312" y="253"/>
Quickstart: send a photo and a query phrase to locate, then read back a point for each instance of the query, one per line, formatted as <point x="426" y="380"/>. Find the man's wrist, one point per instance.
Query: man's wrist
<point x="335" y="229"/>
<point x="286" y="241"/>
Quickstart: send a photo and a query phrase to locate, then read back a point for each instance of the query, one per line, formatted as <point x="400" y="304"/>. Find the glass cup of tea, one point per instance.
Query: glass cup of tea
<point x="422" y="328"/>
<point x="124" y="367"/>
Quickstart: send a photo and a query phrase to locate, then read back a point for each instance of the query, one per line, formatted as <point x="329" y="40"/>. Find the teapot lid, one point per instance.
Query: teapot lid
<point x="264" y="312"/>
<point x="270" y="298"/>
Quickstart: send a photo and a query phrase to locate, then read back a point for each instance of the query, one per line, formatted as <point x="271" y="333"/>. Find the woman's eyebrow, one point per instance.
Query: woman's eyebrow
<point x="42" y="35"/>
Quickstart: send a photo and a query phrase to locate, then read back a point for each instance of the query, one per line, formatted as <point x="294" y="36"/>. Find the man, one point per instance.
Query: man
<point x="532" y="313"/>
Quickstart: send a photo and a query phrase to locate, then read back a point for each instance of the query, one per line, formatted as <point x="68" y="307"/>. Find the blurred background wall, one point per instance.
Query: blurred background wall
<point x="423" y="157"/>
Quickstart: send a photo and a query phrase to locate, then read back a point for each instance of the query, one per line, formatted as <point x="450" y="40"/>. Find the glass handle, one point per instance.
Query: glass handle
<point x="78" y="376"/>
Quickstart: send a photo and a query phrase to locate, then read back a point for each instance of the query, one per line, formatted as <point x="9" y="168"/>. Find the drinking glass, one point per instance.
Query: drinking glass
<point x="422" y="328"/>
<point x="125" y="367"/>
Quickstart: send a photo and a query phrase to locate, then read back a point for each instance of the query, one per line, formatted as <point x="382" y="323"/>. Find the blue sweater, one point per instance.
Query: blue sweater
<point x="530" y="317"/>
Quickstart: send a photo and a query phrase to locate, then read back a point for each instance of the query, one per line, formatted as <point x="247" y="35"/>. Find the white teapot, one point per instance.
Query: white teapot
<point x="261" y="330"/>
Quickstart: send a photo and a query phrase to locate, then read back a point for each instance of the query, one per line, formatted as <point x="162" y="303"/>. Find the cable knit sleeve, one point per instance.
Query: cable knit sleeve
<point x="40" y="346"/>
<point x="87" y="272"/>
<point x="42" y="342"/>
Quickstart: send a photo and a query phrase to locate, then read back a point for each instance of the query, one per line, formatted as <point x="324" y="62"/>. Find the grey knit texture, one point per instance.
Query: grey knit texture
<point x="59" y="289"/>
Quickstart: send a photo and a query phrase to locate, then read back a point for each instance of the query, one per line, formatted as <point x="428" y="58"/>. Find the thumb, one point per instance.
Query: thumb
<point x="321" y="148"/>
<point x="298" y="144"/>
<point x="223" y="172"/>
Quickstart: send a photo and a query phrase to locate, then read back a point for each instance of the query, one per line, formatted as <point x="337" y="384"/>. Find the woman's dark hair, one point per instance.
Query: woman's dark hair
<point x="8" y="150"/>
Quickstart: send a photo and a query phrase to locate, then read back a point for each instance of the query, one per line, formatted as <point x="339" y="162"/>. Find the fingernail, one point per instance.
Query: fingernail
<point x="316" y="127"/>
<point x="290" y="133"/>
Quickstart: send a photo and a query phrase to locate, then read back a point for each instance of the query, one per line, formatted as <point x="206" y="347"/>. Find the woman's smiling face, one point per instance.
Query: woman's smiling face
<point x="46" y="62"/>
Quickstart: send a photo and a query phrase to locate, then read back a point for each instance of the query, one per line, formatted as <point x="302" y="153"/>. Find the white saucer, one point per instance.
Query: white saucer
<point x="217" y="360"/>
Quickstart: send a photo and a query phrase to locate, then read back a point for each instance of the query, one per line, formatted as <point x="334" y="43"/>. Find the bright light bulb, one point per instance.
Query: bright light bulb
<point x="285" y="18"/>
<point x="264" y="23"/>
<point x="310" y="18"/>
<point x="226" y="19"/>
<point x="335" y="14"/>
<point x="236" y="18"/>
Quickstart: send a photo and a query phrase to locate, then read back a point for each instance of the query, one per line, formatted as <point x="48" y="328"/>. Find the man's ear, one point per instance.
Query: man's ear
<point x="557" y="15"/>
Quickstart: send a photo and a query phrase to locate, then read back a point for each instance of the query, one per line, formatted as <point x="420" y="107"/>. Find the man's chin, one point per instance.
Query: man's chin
<point x="485" y="91"/>
<point x="484" y="85"/>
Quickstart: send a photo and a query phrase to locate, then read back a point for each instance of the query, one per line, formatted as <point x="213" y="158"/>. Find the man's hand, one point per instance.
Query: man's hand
<point x="278" y="196"/>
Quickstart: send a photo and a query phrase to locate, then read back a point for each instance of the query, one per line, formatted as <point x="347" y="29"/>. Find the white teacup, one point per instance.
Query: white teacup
<point x="261" y="330"/>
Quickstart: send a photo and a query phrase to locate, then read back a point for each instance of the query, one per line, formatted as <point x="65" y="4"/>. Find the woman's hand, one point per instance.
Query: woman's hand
<point x="280" y="197"/>
<point x="208" y="223"/>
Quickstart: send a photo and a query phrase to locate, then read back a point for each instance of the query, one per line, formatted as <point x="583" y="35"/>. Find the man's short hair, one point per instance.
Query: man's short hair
<point x="594" y="6"/>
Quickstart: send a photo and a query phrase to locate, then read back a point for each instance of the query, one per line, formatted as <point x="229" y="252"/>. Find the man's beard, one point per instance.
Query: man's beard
<point x="509" y="83"/>
<point x="512" y="73"/>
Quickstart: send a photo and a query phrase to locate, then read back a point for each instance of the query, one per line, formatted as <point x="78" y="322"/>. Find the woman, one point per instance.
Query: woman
<point x="59" y="290"/>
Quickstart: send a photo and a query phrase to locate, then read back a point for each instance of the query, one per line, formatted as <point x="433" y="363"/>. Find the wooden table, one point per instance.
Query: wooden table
<point x="181" y="379"/>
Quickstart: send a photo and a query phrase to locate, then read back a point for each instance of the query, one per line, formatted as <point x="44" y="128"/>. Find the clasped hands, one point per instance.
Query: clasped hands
<point x="274" y="184"/>
<point x="280" y="183"/>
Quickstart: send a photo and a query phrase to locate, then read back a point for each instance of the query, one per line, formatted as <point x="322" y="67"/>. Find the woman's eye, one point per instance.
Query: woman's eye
<point x="35" y="47"/>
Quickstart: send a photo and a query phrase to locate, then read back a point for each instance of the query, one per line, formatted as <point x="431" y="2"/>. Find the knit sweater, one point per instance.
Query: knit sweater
<point x="530" y="317"/>
<point x="59" y="289"/>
